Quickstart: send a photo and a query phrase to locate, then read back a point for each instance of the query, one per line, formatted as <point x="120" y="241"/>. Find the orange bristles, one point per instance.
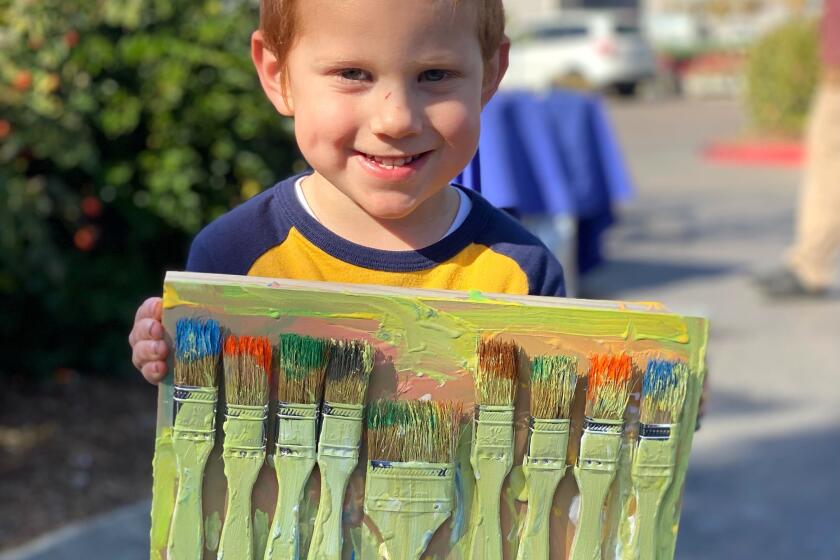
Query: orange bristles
<point x="608" y="386"/>
<point x="247" y="364"/>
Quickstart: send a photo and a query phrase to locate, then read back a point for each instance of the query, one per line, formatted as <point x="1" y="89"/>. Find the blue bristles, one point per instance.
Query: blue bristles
<point x="663" y="390"/>
<point x="196" y="339"/>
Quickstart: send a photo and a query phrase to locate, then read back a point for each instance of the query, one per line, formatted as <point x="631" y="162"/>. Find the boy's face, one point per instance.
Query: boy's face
<point x="386" y="96"/>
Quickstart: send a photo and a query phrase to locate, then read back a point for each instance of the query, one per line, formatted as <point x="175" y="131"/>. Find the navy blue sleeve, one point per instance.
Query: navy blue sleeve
<point x="232" y="243"/>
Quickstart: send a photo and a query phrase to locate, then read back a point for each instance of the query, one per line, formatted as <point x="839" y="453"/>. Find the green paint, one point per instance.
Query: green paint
<point x="491" y="459"/>
<point x="652" y="473"/>
<point x="212" y="531"/>
<point x="260" y="532"/>
<point x="338" y="454"/>
<point x="408" y="502"/>
<point x="595" y="471"/>
<point x="422" y="323"/>
<point x="544" y="467"/>
<point x="294" y="459"/>
<point x="193" y="437"/>
<point x="163" y="495"/>
<point x="243" y="453"/>
<point x="434" y="334"/>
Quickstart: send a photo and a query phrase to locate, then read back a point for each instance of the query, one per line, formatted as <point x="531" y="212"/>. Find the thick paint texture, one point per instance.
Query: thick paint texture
<point x="424" y="345"/>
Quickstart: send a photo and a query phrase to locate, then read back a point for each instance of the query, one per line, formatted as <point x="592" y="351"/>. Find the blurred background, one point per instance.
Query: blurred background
<point x="656" y="145"/>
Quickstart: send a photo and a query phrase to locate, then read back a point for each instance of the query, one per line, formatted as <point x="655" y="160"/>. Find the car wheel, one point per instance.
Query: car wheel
<point x="627" y="89"/>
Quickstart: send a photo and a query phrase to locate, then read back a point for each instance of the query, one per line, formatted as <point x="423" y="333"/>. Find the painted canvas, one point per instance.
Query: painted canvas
<point x="317" y="420"/>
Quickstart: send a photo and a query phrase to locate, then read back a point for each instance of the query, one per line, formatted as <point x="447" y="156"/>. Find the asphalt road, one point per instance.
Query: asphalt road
<point x="764" y="480"/>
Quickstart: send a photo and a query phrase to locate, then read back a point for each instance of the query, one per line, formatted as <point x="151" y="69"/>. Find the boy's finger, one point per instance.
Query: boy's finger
<point x="146" y="329"/>
<point x="147" y="351"/>
<point x="154" y="372"/>
<point x="150" y="308"/>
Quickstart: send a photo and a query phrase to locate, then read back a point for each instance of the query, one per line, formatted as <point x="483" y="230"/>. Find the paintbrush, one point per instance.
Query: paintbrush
<point x="302" y="364"/>
<point x="348" y="373"/>
<point x="663" y="394"/>
<point x="491" y="453"/>
<point x="247" y="363"/>
<point x="553" y="380"/>
<point x="195" y="394"/>
<point x="410" y="481"/>
<point x="606" y="398"/>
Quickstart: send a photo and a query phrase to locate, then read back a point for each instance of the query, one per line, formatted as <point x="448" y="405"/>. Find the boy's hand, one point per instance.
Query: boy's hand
<point x="148" y="350"/>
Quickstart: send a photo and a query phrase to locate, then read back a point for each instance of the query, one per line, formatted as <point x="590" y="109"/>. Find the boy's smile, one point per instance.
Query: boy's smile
<point x="386" y="97"/>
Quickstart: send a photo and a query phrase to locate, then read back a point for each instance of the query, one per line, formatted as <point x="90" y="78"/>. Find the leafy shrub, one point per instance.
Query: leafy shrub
<point x="781" y="77"/>
<point x="125" y="125"/>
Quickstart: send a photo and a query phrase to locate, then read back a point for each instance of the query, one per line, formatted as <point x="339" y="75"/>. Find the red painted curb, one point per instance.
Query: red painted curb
<point x="780" y="154"/>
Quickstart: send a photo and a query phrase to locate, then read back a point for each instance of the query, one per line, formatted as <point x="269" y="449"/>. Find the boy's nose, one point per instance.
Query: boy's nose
<point x="395" y="116"/>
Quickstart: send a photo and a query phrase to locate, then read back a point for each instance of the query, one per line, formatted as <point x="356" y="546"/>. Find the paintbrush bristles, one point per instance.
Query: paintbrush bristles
<point x="247" y="362"/>
<point x="553" y="380"/>
<point x="663" y="391"/>
<point x="403" y="431"/>
<point x="197" y="349"/>
<point x="495" y="382"/>
<point x="302" y="363"/>
<point x="609" y="386"/>
<point x="348" y="371"/>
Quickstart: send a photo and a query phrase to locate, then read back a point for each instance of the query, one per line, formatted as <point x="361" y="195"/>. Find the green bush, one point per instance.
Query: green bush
<point x="781" y="77"/>
<point x="125" y="125"/>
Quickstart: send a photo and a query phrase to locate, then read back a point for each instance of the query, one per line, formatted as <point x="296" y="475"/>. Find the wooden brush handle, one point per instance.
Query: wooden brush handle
<point x="491" y="458"/>
<point x="193" y="437"/>
<point x="652" y="473"/>
<point x="595" y="472"/>
<point x="284" y="539"/>
<point x="338" y="454"/>
<point x="243" y="453"/>
<point x="237" y="540"/>
<point x="294" y="459"/>
<point x="186" y="537"/>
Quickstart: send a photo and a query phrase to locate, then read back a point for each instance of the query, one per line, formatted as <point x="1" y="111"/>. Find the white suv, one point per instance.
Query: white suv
<point x="597" y="49"/>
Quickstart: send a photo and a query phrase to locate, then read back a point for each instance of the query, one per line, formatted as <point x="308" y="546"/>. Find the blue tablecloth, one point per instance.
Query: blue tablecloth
<point x="552" y="153"/>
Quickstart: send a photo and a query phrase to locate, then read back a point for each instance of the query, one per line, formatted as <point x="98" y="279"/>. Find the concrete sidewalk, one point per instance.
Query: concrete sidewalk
<point x="763" y="480"/>
<point x="122" y="534"/>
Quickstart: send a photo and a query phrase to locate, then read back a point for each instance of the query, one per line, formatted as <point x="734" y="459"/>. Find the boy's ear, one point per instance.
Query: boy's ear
<point x="272" y="75"/>
<point x="495" y="70"/>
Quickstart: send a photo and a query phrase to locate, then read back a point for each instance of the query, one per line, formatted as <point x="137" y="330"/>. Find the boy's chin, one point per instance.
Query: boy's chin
<point x="390" y="207"/>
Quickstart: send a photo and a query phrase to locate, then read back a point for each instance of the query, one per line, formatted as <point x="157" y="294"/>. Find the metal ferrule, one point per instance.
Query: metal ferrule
<point x="655" y="431"/>
<point x="594" y="426"/>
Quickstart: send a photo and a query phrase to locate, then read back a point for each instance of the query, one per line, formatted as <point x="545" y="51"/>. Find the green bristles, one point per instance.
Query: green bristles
<point x="247" y="363"/>
<point x="663" y="391"/>
<point x="553" y="380"/>
<point x="348" y="371"/>
<point x="303" y="362"/>
<point x="495" y="382"/>
<point x="402" y="431"/>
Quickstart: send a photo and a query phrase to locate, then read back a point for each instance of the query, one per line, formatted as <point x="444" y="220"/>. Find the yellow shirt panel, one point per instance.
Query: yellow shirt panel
<point x="476" y="267"/>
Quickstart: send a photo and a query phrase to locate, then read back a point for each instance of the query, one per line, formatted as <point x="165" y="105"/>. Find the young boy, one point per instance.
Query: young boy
<point x="386" y="97"/>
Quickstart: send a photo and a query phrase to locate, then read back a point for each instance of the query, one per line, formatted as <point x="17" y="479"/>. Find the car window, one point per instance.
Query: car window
<point x="560" y="32"/>
<point x="625" y="29"/>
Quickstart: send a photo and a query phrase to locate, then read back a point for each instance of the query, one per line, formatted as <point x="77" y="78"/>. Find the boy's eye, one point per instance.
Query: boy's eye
<point x="434" y="75"/>
<point x="353" y="74"/>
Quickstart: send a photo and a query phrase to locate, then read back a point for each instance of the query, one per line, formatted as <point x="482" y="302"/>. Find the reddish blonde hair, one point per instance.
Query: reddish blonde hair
<point x="279" y="25"/>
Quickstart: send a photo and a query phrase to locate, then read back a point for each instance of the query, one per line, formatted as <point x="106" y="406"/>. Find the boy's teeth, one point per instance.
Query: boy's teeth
<point x="392" y="162"/>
